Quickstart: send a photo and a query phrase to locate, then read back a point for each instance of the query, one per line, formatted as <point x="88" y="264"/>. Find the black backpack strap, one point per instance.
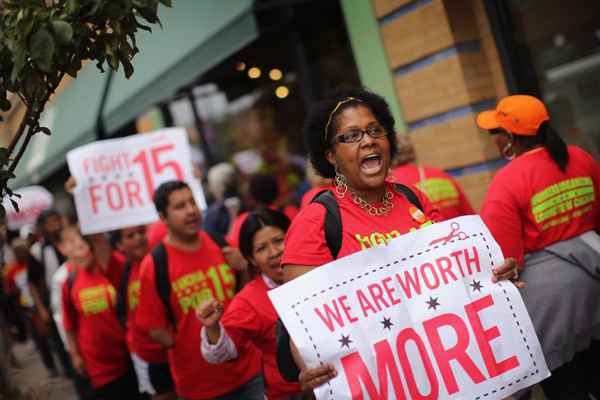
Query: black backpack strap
<point x="70" y="282"/>
<point x="409" y="194"/>
<point x="162" y="281"/>
<point x="285" y="361"/>
<point x="218" y="239"/>
<point x="333" y="221"/>
<point x="122" y="294"/>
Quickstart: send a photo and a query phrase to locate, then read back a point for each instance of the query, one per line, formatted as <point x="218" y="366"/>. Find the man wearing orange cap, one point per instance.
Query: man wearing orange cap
<point x="543" y="210"/>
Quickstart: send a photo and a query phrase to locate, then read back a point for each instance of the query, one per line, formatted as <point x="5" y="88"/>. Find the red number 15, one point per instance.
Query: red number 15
<point x="157" y="166"/>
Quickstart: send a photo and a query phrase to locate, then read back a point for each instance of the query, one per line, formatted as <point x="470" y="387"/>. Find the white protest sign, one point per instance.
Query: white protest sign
<point x="116" y="178"/>
<point x="32" y="201"/>
<point x="416" y="319"/>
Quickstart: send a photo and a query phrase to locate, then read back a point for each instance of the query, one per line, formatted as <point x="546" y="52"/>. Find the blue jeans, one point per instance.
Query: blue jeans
<point x="254" y="389"/>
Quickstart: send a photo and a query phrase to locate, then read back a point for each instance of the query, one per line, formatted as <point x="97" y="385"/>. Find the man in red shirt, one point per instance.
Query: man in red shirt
<point x="197" y="270"/>
<point x="149" y="357"/>
<point x="95" y="338"/>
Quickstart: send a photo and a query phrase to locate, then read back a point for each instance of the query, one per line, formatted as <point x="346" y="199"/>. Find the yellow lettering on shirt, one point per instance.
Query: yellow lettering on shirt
<point x="552" y="206"/>
<point x="378" y="239"/>
<point x="96" y="299"/>
<point x="193" y="289"/>
<point x="133" y="294"/>
<point x="439" y="191"/>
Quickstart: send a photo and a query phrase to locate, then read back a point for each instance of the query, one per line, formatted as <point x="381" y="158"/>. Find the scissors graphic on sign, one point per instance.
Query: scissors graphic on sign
<point x="454" y="233"/>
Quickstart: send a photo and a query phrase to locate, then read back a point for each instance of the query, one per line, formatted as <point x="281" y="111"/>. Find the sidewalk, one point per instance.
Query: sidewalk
<point x="32" y="378"/>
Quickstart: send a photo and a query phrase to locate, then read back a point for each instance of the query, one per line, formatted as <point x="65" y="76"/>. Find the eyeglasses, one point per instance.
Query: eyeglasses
<point x="356" y="135"/>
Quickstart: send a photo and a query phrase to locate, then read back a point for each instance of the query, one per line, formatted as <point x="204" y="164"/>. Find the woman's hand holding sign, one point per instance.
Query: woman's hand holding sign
<point x="508" y="271"/>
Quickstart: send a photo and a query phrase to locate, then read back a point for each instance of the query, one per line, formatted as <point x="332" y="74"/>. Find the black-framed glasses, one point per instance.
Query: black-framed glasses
<point x="356" y="135"/>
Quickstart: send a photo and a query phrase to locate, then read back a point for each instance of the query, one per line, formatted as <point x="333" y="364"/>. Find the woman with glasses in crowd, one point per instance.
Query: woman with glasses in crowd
<point x="351" y="139"/>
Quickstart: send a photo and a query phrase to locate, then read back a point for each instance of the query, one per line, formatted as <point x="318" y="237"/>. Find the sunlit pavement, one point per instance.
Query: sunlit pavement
<point x="32" y="380"/>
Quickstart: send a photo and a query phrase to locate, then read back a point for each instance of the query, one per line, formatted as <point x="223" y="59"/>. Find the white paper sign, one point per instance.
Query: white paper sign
<point x="416" y="319"/>
<point x="33" y="200"/>
<point x="116" y="178"/>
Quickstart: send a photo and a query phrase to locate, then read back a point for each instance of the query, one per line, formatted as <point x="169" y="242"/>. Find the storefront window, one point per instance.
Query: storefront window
<point x="558" y="46"/>
<point x="251" y="107"/>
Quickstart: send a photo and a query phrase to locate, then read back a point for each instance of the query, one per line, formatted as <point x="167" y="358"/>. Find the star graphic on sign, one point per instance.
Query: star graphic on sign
<point x="345" y="341"/>
<point x="131" y="174"/>
<point x="103" y="177"/>
<point x="432" y="303"/>
<point x="387" y="323"/>
<point x="91" y="179"/>
<point x="476" y="285"/>
<point x="117" y="176"/>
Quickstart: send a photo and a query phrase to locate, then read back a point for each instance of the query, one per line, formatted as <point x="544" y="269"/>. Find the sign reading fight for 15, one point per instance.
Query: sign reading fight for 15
<point x="416" y="319"/>
<point x="116" y="178"/>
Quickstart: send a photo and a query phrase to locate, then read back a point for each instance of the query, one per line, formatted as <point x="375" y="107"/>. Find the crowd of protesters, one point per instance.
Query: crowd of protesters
<point x="179" y="309"/>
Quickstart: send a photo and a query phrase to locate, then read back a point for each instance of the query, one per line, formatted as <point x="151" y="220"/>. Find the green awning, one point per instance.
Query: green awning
<point x="196" y="35"/>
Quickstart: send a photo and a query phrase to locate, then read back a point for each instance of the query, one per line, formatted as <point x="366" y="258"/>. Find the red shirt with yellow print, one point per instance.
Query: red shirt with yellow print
<point x="441" y="189"/>
<point x="89" y="311"/>
<point x="138" y="339"/>
<point x="531" y="203"/>
<point x="195" y="276"/>
<point x="305" y="240"/>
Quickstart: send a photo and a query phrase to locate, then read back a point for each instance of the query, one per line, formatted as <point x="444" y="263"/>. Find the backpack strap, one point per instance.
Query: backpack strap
<point x="285" y="361"/>
<point x="217" y="238"/>
<point x="70" y="282"/>
<point x="333" y="218"/>
<point x="122" y="295"/>
<point x="410" y="195"/>
<point x="333" y="221"/>
<point x="161" y="279"/>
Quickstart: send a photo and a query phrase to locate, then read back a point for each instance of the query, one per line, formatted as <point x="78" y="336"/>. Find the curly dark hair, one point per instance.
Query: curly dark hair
<point x="318" y="143"/>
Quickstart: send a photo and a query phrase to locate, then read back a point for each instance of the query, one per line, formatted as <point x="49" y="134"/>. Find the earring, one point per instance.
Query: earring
<point x="341" y="185"/>
<point x="506" y="149"/>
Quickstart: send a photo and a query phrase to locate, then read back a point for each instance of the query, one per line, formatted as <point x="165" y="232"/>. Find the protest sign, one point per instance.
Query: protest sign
<point x="116" y="178"/>
<point x="416" y="319"/>
<point x="32" y="201"/>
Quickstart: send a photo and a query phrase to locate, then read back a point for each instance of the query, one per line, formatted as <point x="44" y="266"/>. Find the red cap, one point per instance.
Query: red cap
<point x="518" y="114"/>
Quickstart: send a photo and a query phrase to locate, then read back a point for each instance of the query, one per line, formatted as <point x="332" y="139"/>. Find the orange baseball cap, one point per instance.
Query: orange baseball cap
<point x="519" y="114"/>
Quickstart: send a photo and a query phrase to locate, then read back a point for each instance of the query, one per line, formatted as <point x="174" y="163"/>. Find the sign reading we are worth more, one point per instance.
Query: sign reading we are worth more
<point x="116" y="178"/>
<point x="416" y="319"/>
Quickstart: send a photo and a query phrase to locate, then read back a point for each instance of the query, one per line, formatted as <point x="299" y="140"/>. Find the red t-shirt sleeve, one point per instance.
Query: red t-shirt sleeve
<point x="69" y="313"/>
<point x="500" y="212"/>
<point x="150" y="311"/>
<point x="241" y="322"/>
<point x="305" y="239"/>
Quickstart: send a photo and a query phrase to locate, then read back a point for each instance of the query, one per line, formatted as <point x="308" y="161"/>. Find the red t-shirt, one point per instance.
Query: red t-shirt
<point x="89" y="311"/>
<point x="310" y="195"/>
<point x="305" y="240"/>
<point x="233" y="237"/>
<point x="195" y="277"/>
<point x="531" y="203"/>
<point x="157" y="231"/>
<point x="441" y="189"/>
<point x="138" y="340"/>
<point x="10" y="272"/>
<point x="251" y="317"/>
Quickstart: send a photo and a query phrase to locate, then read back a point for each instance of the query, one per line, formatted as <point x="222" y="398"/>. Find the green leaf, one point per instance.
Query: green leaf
<point x="2" y="212"/>
<point x="167" y="3"/>
<point x="19" y="58"/>
<point x="42" y="48"/>
<point x="63" y="31"/>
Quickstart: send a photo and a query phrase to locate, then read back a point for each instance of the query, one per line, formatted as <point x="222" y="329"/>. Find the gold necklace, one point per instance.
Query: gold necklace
<point x="372" y="210"/>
